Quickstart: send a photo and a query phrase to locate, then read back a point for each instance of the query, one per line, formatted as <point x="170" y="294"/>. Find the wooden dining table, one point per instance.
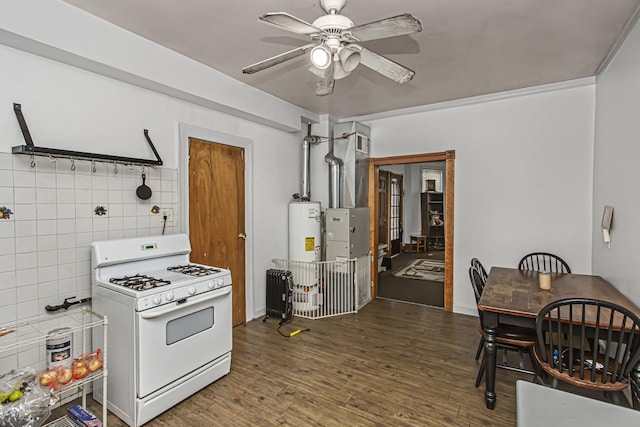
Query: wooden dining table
<point x="513" y="297"/>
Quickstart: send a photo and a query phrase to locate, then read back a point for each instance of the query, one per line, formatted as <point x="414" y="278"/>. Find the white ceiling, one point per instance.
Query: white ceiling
<point x="467" y="47"/>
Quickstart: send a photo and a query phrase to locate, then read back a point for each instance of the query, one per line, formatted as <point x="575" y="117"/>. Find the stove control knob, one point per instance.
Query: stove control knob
<point x="220" y="282"/>
<point x="157" y="299"/>
<point x="191" y="290"/>
<point x="211" y="284"/>
<point x="169" y="296"/>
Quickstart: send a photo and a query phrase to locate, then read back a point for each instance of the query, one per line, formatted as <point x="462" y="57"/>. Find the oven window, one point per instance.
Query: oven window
<point x="189" y="325"/>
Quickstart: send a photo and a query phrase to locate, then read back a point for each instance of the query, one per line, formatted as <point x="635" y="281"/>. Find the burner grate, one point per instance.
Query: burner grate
<point x="194" y="270"/>
<point x="139" y="282"/>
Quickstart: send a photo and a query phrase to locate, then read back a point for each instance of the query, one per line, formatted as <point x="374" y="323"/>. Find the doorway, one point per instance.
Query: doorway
<point x="213" y="210"/>
<point x="374" y="175"/>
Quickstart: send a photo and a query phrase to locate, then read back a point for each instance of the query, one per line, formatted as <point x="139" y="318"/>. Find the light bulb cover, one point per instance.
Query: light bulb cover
<point x="320" y="57"/>
<point x="349" y="57"/>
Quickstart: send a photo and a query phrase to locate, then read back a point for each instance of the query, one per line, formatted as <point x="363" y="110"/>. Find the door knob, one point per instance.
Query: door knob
<point x="243" y="236"/>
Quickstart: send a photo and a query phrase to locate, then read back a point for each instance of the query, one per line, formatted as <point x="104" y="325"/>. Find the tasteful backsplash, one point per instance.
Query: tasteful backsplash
<point x="53" y="210"/>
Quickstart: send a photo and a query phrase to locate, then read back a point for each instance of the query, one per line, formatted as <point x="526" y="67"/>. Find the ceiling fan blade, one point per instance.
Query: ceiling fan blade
<point x="385" y="66"/>
<point x="325" y="84"/>
<point x="270" y="62"/>
<point x="389" y="27"/>
<point x="290" y="23"/>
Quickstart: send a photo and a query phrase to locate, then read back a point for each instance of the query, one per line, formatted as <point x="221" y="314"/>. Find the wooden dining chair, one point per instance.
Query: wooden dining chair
<point x="475" y="262"/>
<point x="567" y="345"/>
<point x="508" y="338"/>
<point x="543" y="261"/>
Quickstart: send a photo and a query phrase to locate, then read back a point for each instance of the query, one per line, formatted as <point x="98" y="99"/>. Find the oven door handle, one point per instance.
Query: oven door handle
<point x="152" y="314"/>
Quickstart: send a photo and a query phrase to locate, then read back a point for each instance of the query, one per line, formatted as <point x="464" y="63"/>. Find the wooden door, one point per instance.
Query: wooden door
<point x="395" y="213"/>
<point x="383" y="209"/>
<point x="216" y="213"/>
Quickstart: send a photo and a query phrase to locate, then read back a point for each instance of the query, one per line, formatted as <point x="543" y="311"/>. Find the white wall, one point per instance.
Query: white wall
<point x="523" y="178"/>
<point x="616" y="171"/>
<point x="57" y="30"/>
<point x="70" y="108"/>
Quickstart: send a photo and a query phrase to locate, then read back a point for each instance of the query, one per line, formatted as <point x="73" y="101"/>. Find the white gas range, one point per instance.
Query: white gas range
<point x="169" y="323"/>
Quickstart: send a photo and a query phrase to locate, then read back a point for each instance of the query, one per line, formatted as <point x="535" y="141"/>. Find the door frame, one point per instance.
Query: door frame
<point x="449" y="157"/>
<point x="187" y="131"/>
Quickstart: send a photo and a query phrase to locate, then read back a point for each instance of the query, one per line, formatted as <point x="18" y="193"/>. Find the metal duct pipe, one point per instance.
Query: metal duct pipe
<point x="306" y="163"/>
<point x="335" y="178"/>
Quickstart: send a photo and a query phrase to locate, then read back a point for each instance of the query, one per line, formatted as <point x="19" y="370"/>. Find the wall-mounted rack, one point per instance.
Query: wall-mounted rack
<point x="30" y="149"/>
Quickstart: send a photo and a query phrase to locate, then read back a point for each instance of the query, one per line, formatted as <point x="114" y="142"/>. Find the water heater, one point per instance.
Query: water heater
<point x="304" y="231"/>
<point x="305" y="246"/>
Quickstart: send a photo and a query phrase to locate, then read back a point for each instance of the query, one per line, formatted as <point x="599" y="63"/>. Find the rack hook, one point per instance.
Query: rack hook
<point x="33" y="161"/>
<point x="115" y="168"/>
<point x="93" y="166"/>
<point x="73" y="164"/>
<point x="52" y="159"/>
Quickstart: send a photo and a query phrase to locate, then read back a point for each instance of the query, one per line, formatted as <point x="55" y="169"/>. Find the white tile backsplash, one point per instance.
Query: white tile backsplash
<point x="7" y="263"/>
<point x="25" y="195"/>
<point x="7" y="246"/>
<point x="26" y="261"/>
<point x="7" y="229"/>
<point x="47" y="274"/>
<point x="47" y="289"/>
<point x="46" y="211"/>
<point x="46" y="195"/>
<point x="26" y="244"/>
<point x="6" y="161"/>
<point x="67" y="270"/>
<point x="25" y="178"/>
<point x="23" y="163"/>
<point x="47" y="258"/>
<point x="27" y="293"/>
<point x="45" y="245"/>
<point x="66" y="241"/>
<point x="7" y="297"/>
<point x="66" y="211"/>
<point x="47" y="226"/>
<point x="65" y="195"/>
<point x="25" y="212"/>
<point x="26" y="229"/>
<point x="45" y="180"/>
<point x="66" y="256"/>
<point x="8" y="280"/>
<point x="65" y="181"/>
<point x="6" y="196"/>
<point x="27" y="309"/>
<point x="27" y="277"/>
<point x="6" y="178"/>
<point x="66" y="226"/>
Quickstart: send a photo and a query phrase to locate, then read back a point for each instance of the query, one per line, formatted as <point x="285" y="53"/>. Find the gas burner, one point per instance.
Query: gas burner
<point x="139" y="282"/>
<point x="194" y="270"/>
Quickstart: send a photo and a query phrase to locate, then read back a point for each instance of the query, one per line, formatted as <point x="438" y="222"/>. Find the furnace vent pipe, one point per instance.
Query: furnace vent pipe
<point x="306" y="163"/>
<point x="335" y="178"/>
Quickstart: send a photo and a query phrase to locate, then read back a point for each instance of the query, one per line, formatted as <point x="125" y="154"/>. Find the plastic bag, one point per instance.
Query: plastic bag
<point x="60" y="377"/>
<point x="23" y="403"/>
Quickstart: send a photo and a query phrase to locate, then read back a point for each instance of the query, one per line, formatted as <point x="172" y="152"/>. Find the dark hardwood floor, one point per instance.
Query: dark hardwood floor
<point x="391" y="364"/>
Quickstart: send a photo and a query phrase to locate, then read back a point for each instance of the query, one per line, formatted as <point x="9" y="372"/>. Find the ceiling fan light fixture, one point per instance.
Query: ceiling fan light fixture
<point x="349" y="57"/>
<point x="320" y="57"/>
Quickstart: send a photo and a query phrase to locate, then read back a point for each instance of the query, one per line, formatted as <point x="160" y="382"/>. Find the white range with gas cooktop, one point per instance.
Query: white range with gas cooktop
<point x="169" y="323"/>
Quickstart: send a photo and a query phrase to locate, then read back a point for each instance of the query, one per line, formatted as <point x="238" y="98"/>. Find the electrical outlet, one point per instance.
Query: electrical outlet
<point x="168" y="213"/>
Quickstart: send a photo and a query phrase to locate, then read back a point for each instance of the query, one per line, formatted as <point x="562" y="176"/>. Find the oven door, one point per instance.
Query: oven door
<point x="176" y="339"/>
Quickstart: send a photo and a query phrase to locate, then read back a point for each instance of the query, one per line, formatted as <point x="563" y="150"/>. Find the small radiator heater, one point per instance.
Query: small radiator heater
<point x="279" y="295"/>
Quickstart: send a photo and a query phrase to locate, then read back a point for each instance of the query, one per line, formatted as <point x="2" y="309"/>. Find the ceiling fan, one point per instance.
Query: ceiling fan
<point x="333" y="51"/>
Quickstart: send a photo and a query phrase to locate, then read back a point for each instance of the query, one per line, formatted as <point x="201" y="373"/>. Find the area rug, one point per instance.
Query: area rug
<point x="422" y="269"/>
